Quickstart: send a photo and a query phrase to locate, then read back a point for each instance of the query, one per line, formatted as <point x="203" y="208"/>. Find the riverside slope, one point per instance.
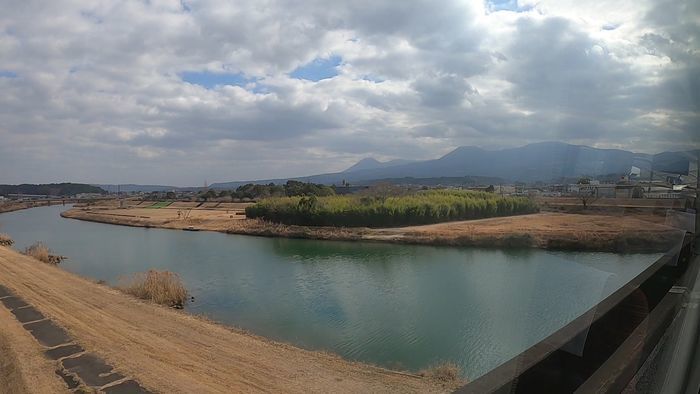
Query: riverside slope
<point x="171" y="351"/>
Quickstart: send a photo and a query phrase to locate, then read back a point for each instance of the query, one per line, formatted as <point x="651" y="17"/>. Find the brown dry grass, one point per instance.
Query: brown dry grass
<point x="445" y="373"/>
<point x="618" y="233"/>
<point x="13" y="206"/>
<point x="161" y="287"/>
<point x="5" y="240"/>
<point x="40" y="252"/>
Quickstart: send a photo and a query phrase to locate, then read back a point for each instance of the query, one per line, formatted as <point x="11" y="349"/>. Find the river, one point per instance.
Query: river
<point x="398" y="306"/>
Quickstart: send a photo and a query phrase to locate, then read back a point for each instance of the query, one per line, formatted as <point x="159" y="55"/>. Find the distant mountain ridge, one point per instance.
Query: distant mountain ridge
<point x="545" y="161"/>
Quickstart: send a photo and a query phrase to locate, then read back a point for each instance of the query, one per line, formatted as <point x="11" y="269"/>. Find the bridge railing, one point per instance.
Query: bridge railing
<point x="602" y="349"/>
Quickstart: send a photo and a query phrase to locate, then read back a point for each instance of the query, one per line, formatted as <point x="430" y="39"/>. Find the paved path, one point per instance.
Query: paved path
<point x="76" y="366"/>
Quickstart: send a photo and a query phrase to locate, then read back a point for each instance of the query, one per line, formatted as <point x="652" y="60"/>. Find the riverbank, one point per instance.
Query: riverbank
<point x="555" y="231"/>
<point x="168" y="350"/>
<point x="11" y="206"/>
<point x="18" y="205"/>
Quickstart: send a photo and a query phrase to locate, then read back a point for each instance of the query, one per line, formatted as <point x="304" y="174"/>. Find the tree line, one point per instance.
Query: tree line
<point x="50" y="189"/>
<point x="257" y="191"/>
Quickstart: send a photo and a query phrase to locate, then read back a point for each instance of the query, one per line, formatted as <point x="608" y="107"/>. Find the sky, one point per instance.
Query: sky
<point x="191" y="91"/>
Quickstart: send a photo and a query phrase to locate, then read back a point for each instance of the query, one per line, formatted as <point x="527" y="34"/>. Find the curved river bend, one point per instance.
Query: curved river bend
<point x="398" y="306"/>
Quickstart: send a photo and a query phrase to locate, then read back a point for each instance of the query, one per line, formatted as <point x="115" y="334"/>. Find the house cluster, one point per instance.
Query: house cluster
<point x="656" y="185"/>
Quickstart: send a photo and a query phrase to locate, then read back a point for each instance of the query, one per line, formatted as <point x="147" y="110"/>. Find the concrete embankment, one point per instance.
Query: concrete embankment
<point x="164" y="350"/>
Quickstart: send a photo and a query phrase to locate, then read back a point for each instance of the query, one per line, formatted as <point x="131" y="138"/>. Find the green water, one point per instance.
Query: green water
<point x="395" y="305"/>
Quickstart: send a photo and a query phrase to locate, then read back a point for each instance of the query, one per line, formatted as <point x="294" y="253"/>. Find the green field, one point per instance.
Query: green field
<point x="424" y="207"/>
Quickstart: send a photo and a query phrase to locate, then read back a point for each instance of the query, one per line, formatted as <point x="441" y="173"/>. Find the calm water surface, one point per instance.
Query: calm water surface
<point x="394" y="305"/>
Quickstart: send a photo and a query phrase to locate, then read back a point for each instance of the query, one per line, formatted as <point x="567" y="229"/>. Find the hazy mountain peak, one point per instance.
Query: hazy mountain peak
<point x="364" y="164"/>
<point x="461" y="151"/>
<point x="370" y="163"/>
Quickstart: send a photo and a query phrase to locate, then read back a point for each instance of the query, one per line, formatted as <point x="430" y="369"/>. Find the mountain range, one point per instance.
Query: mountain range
<point x="546" y="161"/>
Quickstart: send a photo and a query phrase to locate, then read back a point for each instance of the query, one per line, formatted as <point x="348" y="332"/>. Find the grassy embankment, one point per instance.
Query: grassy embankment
<point x="424" y="207"/>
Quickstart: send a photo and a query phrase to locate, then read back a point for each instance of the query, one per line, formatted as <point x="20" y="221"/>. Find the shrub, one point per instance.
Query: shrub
<point x="40" y="252"/>
<point x="161" y="287"/>
<point x="423" y="207"/>
<point x="5" y="240"/>
<point x="446" y="372"/>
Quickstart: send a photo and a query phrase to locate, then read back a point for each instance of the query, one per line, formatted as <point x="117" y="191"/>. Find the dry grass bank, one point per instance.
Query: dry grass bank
<point x="623" y="233"/>
<point x="13" y="206"/>
<point x="554" y="231"/>
<point x="10" y="206"/>
<point x="172" y="352"/>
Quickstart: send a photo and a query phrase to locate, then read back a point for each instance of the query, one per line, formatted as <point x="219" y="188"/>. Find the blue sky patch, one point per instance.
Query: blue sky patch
<point x="210" y="80"/>
<point x="318" y="69"/>
<point x="372" y="78"/>
<point x="7" y="74"/>
<point x="506" y="5"/>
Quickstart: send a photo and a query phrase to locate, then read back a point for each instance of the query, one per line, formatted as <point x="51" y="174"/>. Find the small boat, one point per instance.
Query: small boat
<point x="190" y="228"/>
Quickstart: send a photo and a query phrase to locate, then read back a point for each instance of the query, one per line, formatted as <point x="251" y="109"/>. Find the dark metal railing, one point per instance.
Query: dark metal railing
<point x="569" y="358"/>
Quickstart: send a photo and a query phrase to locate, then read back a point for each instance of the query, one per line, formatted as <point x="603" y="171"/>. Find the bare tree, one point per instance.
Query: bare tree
<point x="586" y="194"/>
<point x="587" y="197"/>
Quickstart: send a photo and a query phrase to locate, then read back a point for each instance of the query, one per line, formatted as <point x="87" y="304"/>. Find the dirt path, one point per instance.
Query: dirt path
<point x="171" y="351"/>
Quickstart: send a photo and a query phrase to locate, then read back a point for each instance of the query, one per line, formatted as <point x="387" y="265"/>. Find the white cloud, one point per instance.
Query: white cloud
<point x="95" y="92"/>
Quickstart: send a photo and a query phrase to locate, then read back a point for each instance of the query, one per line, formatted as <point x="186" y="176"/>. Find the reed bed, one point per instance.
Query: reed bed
<point x="425" y="207"/>
<point x="39" y="251"/>
<point x="5" y="240"/>
<point x="446" y="373"/>
<point x="161" y="287"/>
